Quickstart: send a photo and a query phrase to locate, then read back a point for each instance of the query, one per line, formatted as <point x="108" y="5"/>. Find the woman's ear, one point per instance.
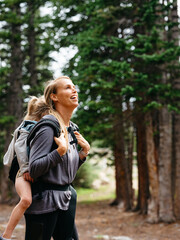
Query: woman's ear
<point x="53" y="97"/>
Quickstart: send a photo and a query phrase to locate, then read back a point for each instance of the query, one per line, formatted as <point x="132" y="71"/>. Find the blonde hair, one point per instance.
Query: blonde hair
<point x="51" y="87"/>
<point x="36" y="108"/>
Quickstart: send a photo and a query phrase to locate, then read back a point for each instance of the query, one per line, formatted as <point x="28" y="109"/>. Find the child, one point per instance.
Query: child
<point x="37" y="108"/>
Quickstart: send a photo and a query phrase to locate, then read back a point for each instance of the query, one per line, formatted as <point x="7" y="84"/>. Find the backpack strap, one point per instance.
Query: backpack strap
<point x="44" y="122"/>
<point x="73" y="127"/>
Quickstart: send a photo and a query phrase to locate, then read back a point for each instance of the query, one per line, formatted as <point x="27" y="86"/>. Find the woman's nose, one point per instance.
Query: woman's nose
<point x="74" y="90"/>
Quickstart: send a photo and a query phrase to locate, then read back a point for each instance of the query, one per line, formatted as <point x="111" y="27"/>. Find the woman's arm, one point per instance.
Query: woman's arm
<point x="42" y="157"/>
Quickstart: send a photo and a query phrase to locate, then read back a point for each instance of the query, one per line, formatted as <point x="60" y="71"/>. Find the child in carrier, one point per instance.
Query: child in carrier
<point x="36" y="109"/>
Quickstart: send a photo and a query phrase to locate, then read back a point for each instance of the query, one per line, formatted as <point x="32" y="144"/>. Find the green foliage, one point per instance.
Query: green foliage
<point x="86" y="175"/>
<point x="124" y="51"/>
<point x="7" y="120"/>
<point x="26" y="40"/>
<point x="120" y="52"/>
<point x="100" y="74"/>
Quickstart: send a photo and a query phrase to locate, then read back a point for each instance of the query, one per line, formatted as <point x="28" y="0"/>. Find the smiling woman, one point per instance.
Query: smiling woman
<point x="65" y="95"/>
<point x="53" y="163"/>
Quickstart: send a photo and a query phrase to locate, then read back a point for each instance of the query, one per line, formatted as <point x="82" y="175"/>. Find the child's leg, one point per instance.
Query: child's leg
<point x="23" y="189"/>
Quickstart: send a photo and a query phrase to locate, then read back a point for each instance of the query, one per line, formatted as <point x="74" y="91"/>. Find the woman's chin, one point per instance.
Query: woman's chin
<point x="75" y="105"/>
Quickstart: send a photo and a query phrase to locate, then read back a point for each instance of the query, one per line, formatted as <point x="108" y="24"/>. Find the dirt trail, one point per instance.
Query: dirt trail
<point x="100" y="221"/>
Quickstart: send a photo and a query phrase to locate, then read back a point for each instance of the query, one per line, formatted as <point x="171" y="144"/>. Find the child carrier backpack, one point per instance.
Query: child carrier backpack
<point x="35" y="126"/>
<point x="32" y="127"/>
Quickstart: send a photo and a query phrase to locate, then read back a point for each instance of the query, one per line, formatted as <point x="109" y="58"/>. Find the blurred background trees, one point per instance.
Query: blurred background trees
<point x="127" y="71"/>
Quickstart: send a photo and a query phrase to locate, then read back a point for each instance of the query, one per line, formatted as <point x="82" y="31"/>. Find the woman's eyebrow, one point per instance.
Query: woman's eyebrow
<point x="69" y="85"/>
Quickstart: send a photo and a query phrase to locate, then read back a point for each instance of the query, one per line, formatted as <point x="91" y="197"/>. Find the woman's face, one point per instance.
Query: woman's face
<point x="66" y="94"/>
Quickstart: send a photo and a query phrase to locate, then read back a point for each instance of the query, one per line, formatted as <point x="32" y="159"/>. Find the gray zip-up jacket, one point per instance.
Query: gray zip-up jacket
<point x="46" y="163"/>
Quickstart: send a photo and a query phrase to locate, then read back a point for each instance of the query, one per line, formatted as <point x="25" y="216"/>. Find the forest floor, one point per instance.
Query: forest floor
<point x="98" y="220"/>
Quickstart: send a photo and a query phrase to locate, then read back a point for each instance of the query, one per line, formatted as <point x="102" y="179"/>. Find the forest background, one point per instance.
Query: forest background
<point x="126" y="67"/>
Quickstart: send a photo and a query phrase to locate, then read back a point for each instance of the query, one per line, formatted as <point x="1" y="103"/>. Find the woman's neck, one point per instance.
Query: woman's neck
<point x="66" y="115"/>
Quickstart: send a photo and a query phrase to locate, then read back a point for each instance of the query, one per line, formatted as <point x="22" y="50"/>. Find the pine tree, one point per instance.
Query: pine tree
<point x="154" y="56"/>
<point x="175" y="75"/>
<point x="25" y="65"/>
<point x="102" y="33"/>
<point x="123" y="59"/>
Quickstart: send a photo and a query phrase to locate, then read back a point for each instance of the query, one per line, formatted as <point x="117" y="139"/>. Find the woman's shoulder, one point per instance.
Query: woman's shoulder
<point x="50" y="117"/>
<point x="47" y="125"/>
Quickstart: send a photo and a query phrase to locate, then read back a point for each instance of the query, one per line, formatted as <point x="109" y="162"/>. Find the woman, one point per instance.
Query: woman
<point x="53" y="164"/>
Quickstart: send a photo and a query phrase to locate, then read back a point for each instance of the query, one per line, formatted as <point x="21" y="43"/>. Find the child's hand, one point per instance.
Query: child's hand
<point x="62" y="144"/>
<point x="27" y="177"/>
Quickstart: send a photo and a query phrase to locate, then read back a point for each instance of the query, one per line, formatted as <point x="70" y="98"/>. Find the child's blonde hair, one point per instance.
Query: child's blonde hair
<point x="36" y="109"/>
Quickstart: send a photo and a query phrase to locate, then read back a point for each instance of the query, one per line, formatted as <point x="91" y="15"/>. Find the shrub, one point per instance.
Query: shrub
<point x="86" y="175"/>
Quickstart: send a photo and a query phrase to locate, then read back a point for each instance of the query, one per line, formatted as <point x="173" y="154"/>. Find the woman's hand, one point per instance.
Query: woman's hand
<point x="27" y="177"/>
<point x="62" y="144"/>
<point x="82" y="142"/>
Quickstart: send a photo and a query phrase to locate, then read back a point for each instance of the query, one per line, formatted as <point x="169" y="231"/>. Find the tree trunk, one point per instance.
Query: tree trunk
<point x="32" y="45"/>
<point x="143" y="182"/>
<point x="129" y="160"/>
<point x="177" y="159"/>
<point x="119" y="156"/>
<point x="118" y="179"/>
<point x="165" y="156"/>
<point x="173" y="16"/>
<point x="123" y="197"/>
<point x="153" y="172"/>
<point x="165" y="142"/>
<point x="129" y="144"/>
